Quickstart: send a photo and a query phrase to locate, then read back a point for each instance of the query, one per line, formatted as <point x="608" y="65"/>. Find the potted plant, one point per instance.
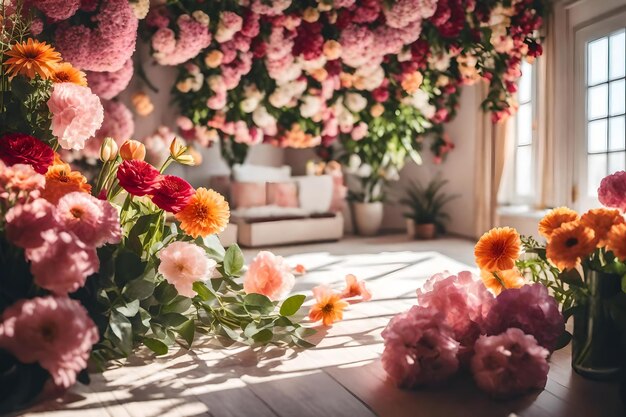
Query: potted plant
<point x="425" y="203"/>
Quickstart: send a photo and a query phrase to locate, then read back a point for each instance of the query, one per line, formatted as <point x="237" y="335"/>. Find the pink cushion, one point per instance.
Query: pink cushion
<point x="282" y="194"/>
<point x="248" y="194"/>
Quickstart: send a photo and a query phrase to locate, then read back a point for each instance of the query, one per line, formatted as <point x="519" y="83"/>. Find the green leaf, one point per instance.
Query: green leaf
<point x="203" y="291"/>
<point x="304" y="332"/>
<point x="572" y="277"/>
<point x="180" y="304"/>
<point x="563" y="340"/>
<point x="155" y="345"/>
<point x="172" y="319"/>
<point x="233" y="261"/>
<point x="258" y="303"/>
<point x="138" y="289"/>
<point x="130" y="309"/>
<point x="123" y="330"/>
<point x="292" y="304"/>
<point x="187" y="331"/>
<point x="302" y="343"/>
<point x="624" y="283"/>
<point x="165" y="292"/>
<point x="213" y="247"/>
<point x="128" y="266"/>
<point x="263" y="336"/>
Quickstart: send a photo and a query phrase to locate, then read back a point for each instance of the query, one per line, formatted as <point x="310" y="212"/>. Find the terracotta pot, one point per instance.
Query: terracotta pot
<point x="423" y="231"/>
<point x="368" y="217"/>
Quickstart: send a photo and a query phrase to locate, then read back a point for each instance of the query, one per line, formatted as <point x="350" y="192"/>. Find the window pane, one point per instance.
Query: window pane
<point x="597" y="101"/>
<point x="596" y="136"/>
<point x="617" y="138"/>
<point x="597" y="59"/>
<point x="618" y="96"/>
<point x="617" y="162"/>
<point x="525" y="83"/>
<point x="524" y="124"/>
<point x="618" y="55"/>
<point x="596" y="170"/>
<point x="523" y="170"/>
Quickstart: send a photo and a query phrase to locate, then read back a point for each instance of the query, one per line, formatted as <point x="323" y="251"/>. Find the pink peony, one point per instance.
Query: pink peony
<point x="184" y="263"/>
<point x="93" y="221"/>
<point x="57" y="9"/>
<point x="529" y="308"/>
<point x="464" y="301"/>
<point x="26" y="223"/>
<point x="107" y="85"/>
<point x="269" y="275"/>
<point x="118" y="123"/>
<point x="106" y="44"/>
<point x="419" y="348"/>
<point x="509" y="364"/>
<point x="63" y="263"/>
<point x="193" y="37"/>
<point x="612" y="191"/>
<point x="76" y="114"/>
<point x="56" y="332"/>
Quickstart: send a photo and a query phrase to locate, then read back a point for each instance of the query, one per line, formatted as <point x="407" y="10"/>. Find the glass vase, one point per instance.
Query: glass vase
<point x="596" y="343"/>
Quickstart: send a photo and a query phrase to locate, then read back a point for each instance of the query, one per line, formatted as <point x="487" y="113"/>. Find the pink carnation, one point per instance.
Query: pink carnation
<point x="106" y="44"/>
<point x="403" y="12"/>
<point x="20" y="183"/>
<point x="76" y="114"/>
<point x="184" y="263"/>
<point x="57" y="9"/>
<point x="63" y="263"/>
<point x="612" y="191"/>
<point x="269" y="275"/>
<point x="509" y="364"/>
<point x="463" y="300"/>
<point x="271" y="7"/>
<point x="93" y="221"/>
<point x="193" y="37"/>
<point x="56" y="332"/>
<point x="107" y="85"/>
<point x="26" y="223"/>
<point x="529" y="308"/>
<point x="118" y="123"/>
<point x="356" y="41"/>
<point x="419" y="348"/>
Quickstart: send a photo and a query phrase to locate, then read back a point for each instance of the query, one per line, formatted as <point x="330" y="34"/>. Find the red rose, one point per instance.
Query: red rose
<point x="17" y="148"/>
<point x="138" y="177"/>
<point x="172" y="193"/>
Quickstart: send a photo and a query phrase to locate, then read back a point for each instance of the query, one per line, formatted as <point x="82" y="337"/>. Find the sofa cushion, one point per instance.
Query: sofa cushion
<point x="248" y="194"/>
<point x="258" y="173"/>
<point x="315" y="192"/>
<point x="282" y="194"/>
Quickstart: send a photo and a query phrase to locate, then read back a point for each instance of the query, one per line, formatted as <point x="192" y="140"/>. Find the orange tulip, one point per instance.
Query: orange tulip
<point x="133" y="150"/>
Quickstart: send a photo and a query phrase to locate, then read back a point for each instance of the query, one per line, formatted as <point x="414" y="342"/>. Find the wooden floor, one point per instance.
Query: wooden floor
<point x="342" y="376"/>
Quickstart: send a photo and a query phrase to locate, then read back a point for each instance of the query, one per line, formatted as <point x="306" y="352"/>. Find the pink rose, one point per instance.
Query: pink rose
<point x="184" y="263"/>
<point x="612" y="191"/>
<point x="56" y="332"/>
<point x="359" y="131"/>
<point x="419" y="348"/>
<point x="269" y="275"/>
<point x="509" y="364"/>
<point x="76" y="114"/>
<point x="26" y="223"/>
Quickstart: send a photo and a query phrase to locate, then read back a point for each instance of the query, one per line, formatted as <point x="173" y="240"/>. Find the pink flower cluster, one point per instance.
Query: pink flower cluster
<point x="118" y="124"/>
<point x="107" y="85"/>
<point x="19" y="183"/>
<point x="504" y="341"/>
<point x="183" y="263"/>
<point x="61" y="240"/>
<point x="193" y="37"/>
<point x="612" y="191"/>
<point x="57" y="9"/>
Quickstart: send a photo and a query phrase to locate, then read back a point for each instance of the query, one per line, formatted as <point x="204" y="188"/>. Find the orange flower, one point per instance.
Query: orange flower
<point x="616" y="241"/>
<point x="61" y="180"/>
<point x="32" y="58"/>
<point x="328" y="307"/>
<point x="299" y="269"/>
<point x="601" y="221"/>
<point x="356" y="288"/>
<point x="66" y="73"/>
<point x="569" y="244"/>
<point x="554" y="219"/>
<point x="133" y="150"/>
<point x="497" y="281"/>
<point x="206" y="213"/>
<point x="412" y="82"/>
<point x="498" y="249"/>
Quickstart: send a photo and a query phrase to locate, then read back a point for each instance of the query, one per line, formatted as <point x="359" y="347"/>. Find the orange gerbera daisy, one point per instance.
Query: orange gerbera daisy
<point x="61" y="180"/>
<point x="32" y="58"/>
<point x="616" y="241"/>
<point x="328" y="307"/>
<point x="554" y="219"/>
<point x="601" y="221"/>
<point x="569" y="244"/>
<point x="497" y="281"/>
<point x="498" y="249"/>
<point x="66" y="73"/>
<point x="206" y="213"/>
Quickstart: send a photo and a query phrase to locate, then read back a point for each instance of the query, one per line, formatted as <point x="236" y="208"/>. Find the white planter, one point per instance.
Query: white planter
<point x="368" y="217"/>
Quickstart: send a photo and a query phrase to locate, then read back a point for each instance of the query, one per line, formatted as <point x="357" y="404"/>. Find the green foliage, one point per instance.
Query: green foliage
<point x="426" y="203"/>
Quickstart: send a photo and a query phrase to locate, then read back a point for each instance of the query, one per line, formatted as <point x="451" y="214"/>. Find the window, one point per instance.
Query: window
<point x="605" y="103"/>
<point x="524" y="137"/>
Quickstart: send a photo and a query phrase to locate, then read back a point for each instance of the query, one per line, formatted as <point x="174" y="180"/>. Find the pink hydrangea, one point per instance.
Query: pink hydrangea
<point x="612" y="191"/>
<point x="26" y="223"/>
<point x="118" y="123"/>
<point x="367" y="11"/>
<point x="106" y="45"/>
<point x="269" y="275"/>
<point x="184" y="263"/>
<point x="63" y="263"/>
<point x="463" y="300"/>
<point x="509" y="364"/>
<point x="356" y="42"/>
<point x="193" y="37"/>
<point x="419" y="348"/>
<point x="93" y="221"/>
<point x="403" y="12"/>
<point x="56" y="332"/>
<point x="158" y="17"/>
<point x="529" y="308"/>
<point x="107" y="85"/>
<point x="57" y="9"/>
<point x="271" y="7"/>
<point x="76" y="114"/>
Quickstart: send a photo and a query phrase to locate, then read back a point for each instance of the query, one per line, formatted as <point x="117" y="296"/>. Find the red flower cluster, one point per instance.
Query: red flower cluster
<point x="309" y="41"/>
<point x="17" y="148"/>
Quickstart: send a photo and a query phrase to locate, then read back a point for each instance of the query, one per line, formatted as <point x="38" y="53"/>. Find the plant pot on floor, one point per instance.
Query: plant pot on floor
<point x="424" y="231"/>
<point x="368" y="217"/>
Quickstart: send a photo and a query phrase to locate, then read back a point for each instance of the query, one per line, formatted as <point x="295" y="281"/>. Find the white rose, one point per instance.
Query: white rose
<point x="310" y="106"/>
<point x="374" y="79"/>
<point x="248" y="105"/>
<point x="262" y="118"/>
<point x="364" y="171"/>
<point x="440" y="62"/>
<point x="355" y="102"/>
